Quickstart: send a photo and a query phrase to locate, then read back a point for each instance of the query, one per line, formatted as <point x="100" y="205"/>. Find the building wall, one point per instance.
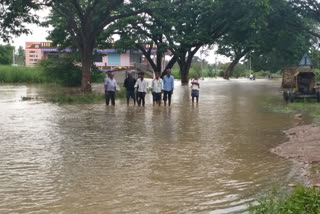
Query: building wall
<point x="33" y="55"/>
<point x="125" y="59"/>
<point x="104" y="61"/>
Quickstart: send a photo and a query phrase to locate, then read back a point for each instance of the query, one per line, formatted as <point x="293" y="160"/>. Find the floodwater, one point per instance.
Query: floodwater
<point x="211" y="158"/>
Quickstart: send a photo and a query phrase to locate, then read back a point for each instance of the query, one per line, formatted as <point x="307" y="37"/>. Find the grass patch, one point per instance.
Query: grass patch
<point x="309" y="107"/>
<point x="83" y="98"/>
<point x="22" y="74"/>
<point x="301" y="200"/>
<point x="62" y="73"/>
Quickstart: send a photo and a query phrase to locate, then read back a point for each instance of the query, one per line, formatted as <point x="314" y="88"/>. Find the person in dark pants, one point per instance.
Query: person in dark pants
<point x="142" y="87"/>
<point x="157" y="88"/>
<point x="195" y="87"/>
<point x="110" y="86"/>
<point x="168" y="86"/>
<point x="129" y="83"/>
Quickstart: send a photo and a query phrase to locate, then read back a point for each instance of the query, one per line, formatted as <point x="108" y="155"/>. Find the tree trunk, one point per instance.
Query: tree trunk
<point x="184" y="72"/>
<point x="86" y="72"/>
<point x="230" y="68"/>
<point x="185" y="61"/>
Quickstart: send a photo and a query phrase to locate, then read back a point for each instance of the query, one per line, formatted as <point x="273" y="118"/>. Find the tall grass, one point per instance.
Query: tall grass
<point x="22" y="74"/>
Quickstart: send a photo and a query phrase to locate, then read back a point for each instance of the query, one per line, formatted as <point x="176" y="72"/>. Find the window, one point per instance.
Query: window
<point x="31" y="51"/>
<point x="97" y="58"/>
<point x="114" y="59"/>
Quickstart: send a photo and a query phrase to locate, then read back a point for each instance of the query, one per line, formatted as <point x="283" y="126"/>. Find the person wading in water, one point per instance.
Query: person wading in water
<point x="129" y="83"/>
<point x="168" y="86"/>
<point x="142" y="86"/>
<point x="157" y="88"/>
<point x="110" y="86"/>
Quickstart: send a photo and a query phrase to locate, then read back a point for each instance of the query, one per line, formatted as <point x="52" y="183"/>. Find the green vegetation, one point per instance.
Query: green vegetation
<point x="22" y="74"/>
<point x="82" y="98"/>
<point x="300" y="106"/>
<point x="76" y="98"/>
<point x="6" y="52"/>
<point x="302" y="200"/>
<point x="61" y="71"/>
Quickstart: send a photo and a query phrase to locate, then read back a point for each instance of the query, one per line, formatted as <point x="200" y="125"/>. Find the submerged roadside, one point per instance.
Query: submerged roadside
<point x="303" y="146"/>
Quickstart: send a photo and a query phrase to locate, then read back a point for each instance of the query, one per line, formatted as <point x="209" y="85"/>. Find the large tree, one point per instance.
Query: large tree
<point x="146" y="33"/>
<point x="242" y="36"/>
<point x="309" y="9"/>
<point x="268" y="35"/>
<point x="282" y="43"/>
<point x="180" y="26"/>
<point x="79" y="23"/>
<point x="14" y="15"/>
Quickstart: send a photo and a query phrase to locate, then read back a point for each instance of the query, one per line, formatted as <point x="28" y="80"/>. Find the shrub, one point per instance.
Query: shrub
<point x="301" y="200"/>
<point x="62" y="71"/>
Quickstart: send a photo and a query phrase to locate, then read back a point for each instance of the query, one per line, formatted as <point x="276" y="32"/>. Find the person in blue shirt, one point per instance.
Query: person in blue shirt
<point x="168" y="86"/>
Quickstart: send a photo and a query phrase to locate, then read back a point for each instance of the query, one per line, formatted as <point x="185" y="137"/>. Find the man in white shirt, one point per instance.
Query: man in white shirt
<point x="157" y="89"/>
<point x="142" y="87"/>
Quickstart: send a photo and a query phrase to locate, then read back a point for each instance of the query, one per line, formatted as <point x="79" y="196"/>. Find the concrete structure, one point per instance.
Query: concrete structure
<point x="105" y="59"/>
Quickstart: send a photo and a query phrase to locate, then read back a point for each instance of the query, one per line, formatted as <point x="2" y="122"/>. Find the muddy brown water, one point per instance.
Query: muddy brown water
<point x="210" y="158"/>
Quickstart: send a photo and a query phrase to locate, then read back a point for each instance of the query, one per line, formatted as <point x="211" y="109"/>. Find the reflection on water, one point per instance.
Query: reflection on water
<point x="208" y="158"/>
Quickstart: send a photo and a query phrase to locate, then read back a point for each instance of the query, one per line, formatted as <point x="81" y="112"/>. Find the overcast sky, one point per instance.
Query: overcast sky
<point x="39" y="34"/>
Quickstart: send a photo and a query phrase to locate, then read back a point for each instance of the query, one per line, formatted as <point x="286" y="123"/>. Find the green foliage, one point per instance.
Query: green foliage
<point x="317" y="72"/>
<point x="14" y="15"/>
<point x="262" y="73"/>
<point x="62" y="71"/>
<point x="6" y="53"/>
<point x="82" y="98"/>
<point x="300" y="106"/>
<point x="315" y="58"/>
<point x="97" y="75"/>
<point x="302" y="200"/>
<point x="282" y="42"/>
<point x="21" y="74"/>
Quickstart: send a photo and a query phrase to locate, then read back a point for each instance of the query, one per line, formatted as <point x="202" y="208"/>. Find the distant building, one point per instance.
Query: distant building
<point x="104" y="59"/>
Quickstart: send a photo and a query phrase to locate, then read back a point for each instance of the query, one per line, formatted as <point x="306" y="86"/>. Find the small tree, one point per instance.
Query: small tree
<point x="6" y="52"/>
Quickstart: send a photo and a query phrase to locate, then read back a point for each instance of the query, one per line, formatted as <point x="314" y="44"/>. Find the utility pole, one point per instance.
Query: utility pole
<point x="250" y="60"/>
<point x="201" y="52"/>
<point x="14" y="60"/>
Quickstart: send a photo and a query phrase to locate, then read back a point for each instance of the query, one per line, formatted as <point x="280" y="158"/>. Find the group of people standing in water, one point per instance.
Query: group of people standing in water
<point x="137" y="89"/>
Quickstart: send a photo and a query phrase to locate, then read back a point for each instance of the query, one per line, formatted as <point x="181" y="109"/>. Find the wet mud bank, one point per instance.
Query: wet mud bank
<point x="303" y="147"/>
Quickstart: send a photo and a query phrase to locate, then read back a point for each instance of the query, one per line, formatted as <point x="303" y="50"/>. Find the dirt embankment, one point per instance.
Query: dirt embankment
<point x="303" y="146"/>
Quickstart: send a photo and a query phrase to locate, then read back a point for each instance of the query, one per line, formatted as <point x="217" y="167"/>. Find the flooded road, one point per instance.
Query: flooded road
<point x="210" y="158"/>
